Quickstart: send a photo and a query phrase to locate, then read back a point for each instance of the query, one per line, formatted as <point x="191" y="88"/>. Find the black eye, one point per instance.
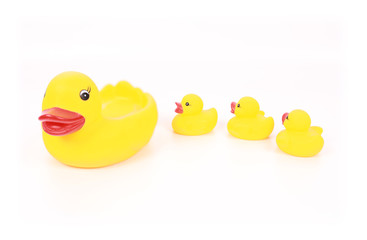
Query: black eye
<point x="238" y="105"/>
<point x="286" y="117"/>
<point x="84" y="95"/>
<point x="187" y="104"/>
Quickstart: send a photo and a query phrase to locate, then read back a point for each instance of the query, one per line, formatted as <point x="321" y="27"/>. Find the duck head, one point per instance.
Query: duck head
<point x="297" y="120"/>
<point x="71" y="102"/>
<point x="245" y="107"/>
<point x="191" y="104"/>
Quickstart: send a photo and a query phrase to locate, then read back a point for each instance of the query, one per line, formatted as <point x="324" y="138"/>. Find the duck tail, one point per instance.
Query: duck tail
<point x="317" y="129"/>
<point x="123" y="89"/>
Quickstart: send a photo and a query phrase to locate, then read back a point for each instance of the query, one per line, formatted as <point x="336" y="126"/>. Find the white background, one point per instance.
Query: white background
<point x="301" y="59"/>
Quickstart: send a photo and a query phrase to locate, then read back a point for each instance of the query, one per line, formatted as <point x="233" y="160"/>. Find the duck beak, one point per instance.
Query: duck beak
<point x="179" y="108"/>
<point x="284" y="117"/>
<point x="59" y="122"/>
<point x="233" y="107"/>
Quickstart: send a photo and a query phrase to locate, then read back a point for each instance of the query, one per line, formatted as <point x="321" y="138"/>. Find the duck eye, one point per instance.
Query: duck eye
<point x="286" y="118"/>
<point x="238" y="105"/>
<point x="84" y="95"/>
<point x="187" y="104"/>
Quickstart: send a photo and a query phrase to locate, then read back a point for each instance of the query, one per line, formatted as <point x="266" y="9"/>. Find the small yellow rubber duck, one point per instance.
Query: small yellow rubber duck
<point x="249" y="122"/>
<point x="299" y="138"/>
<point x="191" y="119"/>
<point x="86" y="128"/>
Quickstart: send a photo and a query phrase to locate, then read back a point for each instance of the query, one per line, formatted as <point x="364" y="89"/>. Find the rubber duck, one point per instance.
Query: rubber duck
<point x="299" y="138"/>
<point x="87" y="128"/>
<point x="191" y="119"/>
<point x="249" y="122"/>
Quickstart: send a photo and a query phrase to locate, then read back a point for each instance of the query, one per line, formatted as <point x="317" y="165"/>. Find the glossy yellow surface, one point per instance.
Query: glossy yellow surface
<point x="119" y="121"/>
<point x="299" y="138"/>
<point x="194" y="120"/>
<point x="249" y="122"/>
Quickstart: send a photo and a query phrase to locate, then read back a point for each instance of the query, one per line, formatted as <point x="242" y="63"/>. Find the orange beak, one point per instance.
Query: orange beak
<point x="179" y="108"/>
<point x="58" y="122"/>
<point x="233" y="107"/>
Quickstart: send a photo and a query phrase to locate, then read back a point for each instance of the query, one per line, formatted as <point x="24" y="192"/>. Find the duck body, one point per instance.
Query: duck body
<point x="119" y="122"/>
<point x="249" y="122"/>
<point x="299" y="138"/>
<point x="300" y="144"/>
<point x="191" y="119"/>
<point x="197" y="124"/>
<point x="255" y="128"/>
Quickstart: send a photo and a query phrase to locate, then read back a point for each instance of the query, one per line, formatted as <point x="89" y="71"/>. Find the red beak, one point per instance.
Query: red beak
<point x="58" y="122"/>
<point x="284" y="117"/>
<point x="233" y="107"/>
<point x="179" y="108"/>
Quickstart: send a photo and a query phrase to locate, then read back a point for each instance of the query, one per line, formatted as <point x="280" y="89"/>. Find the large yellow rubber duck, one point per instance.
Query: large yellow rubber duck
<point x="299" y="138"/>
<point x="249" y="122"/>
<point x="87" y="128"/>
<point x="191" y="119"/>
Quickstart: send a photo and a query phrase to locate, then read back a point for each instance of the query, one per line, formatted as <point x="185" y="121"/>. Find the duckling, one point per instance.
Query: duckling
<point x="192" y="119"/>
<point x="87" y="128"/>
<point x="299" y="138"/>
<point x="249" y="122"/>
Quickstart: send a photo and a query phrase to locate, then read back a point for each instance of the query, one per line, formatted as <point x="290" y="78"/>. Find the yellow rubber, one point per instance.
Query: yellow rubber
<point x="299" y="138"/>
<point x="249" y="122"/>
<point x="194" y="120"/>
<point x="119" y="121"/>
